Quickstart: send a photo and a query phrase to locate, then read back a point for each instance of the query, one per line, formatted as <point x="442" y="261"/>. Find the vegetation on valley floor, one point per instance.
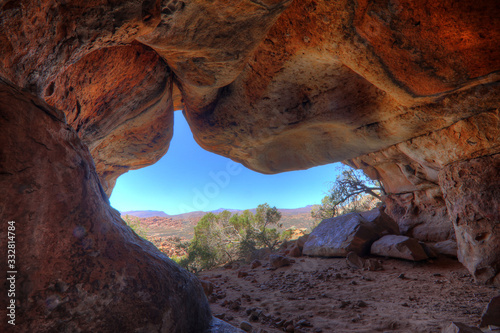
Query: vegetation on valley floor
<point x="226" y="237"/>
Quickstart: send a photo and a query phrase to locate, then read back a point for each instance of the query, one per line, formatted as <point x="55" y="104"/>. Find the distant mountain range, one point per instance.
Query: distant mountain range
<point x="159" y="223"/>
<point x="159" y="213"/>
<point x="145" y="213"/>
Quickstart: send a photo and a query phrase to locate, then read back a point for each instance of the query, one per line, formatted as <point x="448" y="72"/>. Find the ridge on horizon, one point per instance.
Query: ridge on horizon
<point x="159" y="213"/>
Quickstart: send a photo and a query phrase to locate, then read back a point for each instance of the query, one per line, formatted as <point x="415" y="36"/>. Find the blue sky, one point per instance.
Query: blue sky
<point x="189" y="178"/>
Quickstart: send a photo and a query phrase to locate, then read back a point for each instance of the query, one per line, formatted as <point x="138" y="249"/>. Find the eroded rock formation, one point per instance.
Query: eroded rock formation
<point x="79" y="267"/>
<point x="119" y="101"/>
<point x="407" y="91"/>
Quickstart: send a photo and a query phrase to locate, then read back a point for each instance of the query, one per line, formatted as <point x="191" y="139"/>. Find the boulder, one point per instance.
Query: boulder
<point x="278" y="261"/>
<point x="294" y="251"/>
<point x="396" y="246"/>
<point x="372" y="264"/>
<point x="456" y="327"/>
<point x="447" y="247"/>
<point x="491" y="314"/>
<point x="246" y="326"/>
<point x="301" y="241"/>
<point x="429" y="251"/>
<point x="354" y="232"/>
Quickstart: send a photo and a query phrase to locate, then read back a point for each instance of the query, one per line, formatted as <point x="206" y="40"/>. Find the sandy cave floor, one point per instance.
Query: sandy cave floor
<point x="332" y="297"/>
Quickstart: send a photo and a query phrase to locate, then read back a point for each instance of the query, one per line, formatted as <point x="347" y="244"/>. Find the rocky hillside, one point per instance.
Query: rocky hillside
<point x="182" y="225"/>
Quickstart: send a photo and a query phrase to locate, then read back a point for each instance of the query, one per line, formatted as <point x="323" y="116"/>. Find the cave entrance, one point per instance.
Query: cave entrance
<point x="190" y="179"/>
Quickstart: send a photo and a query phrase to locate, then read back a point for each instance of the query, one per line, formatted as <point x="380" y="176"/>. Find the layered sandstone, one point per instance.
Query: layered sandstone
<point x="325" y="85"/>
<point x="407" y="91"/>
<point x="79" y="266"/>
<point x="119" y="102"/>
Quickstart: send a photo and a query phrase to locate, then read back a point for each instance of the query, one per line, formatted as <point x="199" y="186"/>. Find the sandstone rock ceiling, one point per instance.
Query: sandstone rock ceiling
<point x="406" y="90"/>
<point x="275" y="85"/>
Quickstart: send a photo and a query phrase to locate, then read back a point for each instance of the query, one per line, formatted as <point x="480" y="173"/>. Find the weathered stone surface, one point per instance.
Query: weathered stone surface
<point x="491" y="314"/>
<point x="119" y="101"/>
<point x="276" y="85"/>
<point x="472" y="191"/>
<point x="397" y="246"/>
<point x="448" y="247"/>
<point x="283" y="113"/>
<point x="354" y="232"/>
<point x="256" y="263"/>
<point x="421" y="214"/>
<point x="207" y="43"/>
<point x="409" y="172"/>
<point x="423" y="59"/>
<point x="246" y="326"/>
<point x="208" y="287"/>
<point x="80" y="268"/>
<point x="38" y="40"/>
<point x="456" y="327"/>
<point x="429" y="250"/>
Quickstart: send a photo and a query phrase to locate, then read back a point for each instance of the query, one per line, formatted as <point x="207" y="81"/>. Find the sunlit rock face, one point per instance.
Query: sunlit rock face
<point x="119" y="101"/>
<point x="336" y="80"/>
<point x="407" y="91"/>
<point x="79" y="267"/>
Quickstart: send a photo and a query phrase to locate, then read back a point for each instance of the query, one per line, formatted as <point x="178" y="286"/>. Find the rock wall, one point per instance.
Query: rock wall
<point x="119" y="101"/>
<point x="472" y="191"/>
<point x="432" y="194"/>
<point x="410" y="172"/>
<point x="79" y="267"/>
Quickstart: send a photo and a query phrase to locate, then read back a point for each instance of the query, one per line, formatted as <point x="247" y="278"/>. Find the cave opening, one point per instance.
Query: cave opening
<point x="188" y="178"/>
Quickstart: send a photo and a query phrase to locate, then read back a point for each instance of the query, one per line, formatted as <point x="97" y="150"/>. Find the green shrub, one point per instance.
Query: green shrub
<point x="221" y="238"/>
<point x="135" y="224"/>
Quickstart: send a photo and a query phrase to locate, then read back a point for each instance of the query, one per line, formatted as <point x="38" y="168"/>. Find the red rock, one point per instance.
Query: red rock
<point x="301" y="241"/>
<point x="348" y="103"/>
<point x="471" y="189"/>
<point x="73" y="251"/>
<point x="242" y="273"/>
<point x="119" y="101"/>
<point x="354" y="261"/>
<point x="409" y="171"/>
<point x="254" y="264"/>
<point x="294" y="251"/>
<point x="447" y="247"/>
<point x="208" y="287"/>
<point x="40" y="40"/>
<point x="276" y="85"/>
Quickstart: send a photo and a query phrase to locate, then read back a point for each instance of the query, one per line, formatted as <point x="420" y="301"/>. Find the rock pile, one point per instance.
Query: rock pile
<point x="354" y="232"/>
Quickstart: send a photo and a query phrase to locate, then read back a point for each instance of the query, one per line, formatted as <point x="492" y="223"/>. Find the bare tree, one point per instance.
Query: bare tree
<point x="347" y="192"/>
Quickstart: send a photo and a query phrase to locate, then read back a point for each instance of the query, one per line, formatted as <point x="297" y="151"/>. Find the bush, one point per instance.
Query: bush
<point x="135" y="224"/>
<point x="221" y="238"/>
